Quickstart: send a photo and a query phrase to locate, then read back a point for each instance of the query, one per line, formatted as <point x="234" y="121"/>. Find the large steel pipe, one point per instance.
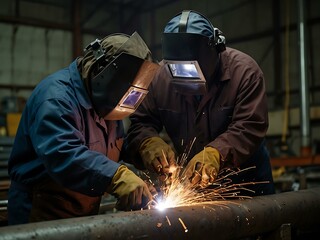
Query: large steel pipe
<point x="218" y="220"/>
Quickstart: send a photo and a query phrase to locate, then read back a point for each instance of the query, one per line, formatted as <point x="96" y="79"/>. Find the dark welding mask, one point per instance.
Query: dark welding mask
<point x="124" y="74"/>
<point x="190" y="48"/>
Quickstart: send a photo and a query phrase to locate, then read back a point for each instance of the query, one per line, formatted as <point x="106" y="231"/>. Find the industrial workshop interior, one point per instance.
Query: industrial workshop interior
<point x="40" y="37"/>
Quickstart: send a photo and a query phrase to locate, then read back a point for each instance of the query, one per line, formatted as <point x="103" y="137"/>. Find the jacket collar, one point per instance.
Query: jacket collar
<point x="224" y="67"/>
<point x="78" y="84"/>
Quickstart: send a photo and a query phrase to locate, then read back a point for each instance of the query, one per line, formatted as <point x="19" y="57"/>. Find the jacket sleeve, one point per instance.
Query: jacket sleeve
<point x="145" y="123"/>
<point x="55" y="134"/>
<point x="249" y="122"/>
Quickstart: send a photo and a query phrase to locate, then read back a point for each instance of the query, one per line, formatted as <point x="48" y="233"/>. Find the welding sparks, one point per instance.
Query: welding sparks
<point x="183" y="225"/>
<point x="180" y="192"/>
<point x="168" y="221"/>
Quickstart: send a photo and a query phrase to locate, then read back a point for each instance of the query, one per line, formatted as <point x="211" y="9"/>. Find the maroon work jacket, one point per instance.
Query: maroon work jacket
<point x="232" y="117"/>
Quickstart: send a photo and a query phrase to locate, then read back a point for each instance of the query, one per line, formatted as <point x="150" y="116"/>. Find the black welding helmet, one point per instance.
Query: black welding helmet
<point x="190" y="49"/>
<point x="119" y="75"/>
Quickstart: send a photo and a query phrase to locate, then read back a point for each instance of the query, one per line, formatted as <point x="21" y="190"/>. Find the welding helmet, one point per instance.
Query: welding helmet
<point x="117" y="71"/>
<point x="191" y="48"/>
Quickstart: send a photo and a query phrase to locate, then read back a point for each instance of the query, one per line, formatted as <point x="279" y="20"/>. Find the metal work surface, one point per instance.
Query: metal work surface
<point x="219" y="220"/>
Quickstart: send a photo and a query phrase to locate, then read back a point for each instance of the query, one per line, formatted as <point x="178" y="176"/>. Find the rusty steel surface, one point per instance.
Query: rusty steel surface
<point x="217" y="220"/>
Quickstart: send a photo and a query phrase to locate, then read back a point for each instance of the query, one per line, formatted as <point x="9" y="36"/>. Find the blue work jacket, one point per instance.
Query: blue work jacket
<point x="60" y="136"/>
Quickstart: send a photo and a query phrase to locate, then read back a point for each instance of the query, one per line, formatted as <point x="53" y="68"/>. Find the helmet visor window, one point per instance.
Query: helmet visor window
<point x="186" y="77"/>
<point x="133" y="98"/>
<point x="184" y="70"/>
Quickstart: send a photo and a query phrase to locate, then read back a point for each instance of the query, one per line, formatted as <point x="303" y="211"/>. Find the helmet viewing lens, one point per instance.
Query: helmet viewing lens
<point x="133" y="98"/>
<point x="184" y="70"/>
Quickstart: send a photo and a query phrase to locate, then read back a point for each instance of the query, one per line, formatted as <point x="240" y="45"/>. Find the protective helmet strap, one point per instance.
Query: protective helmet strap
<point x="97" y="50"/>
<point x="217" y="41"/>
<point x="184" y="21"/>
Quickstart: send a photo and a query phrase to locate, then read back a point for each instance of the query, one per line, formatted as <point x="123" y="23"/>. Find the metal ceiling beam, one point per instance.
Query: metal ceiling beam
<point x="34" y="22"/>
<point x="48" y="2"/>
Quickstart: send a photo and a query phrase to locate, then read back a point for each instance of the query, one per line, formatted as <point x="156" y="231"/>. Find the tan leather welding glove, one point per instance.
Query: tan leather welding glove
<point x="203" y="168"/>
<point x="130" y="190"/>
<point x="157" y="155"/>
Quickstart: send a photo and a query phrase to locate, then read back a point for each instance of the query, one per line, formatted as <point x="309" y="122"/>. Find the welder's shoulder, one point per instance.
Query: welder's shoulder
<point x="54" y="86"/>
<point x="238" y="58"/>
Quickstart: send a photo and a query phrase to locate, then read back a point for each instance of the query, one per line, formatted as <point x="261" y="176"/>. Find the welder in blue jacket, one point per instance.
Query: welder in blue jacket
<point x="66" y="151"/>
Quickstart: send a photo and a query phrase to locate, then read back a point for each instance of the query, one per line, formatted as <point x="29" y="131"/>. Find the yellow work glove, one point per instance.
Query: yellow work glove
<point x="203" y="168"/>
<point x="130" y="190"/>
<point x="157" y="155"/>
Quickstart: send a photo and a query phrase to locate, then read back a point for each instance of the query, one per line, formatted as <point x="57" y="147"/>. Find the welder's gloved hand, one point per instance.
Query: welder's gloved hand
<point x="130" y="190"/>
<point x="157" y="155"/>
<point x="203" y="168"/>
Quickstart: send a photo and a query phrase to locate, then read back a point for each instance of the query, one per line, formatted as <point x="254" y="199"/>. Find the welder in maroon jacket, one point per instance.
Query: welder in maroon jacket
<point x="210" y="93"/>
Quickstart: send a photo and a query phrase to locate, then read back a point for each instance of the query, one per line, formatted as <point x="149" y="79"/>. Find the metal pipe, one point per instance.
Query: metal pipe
<point x="304" y="111"/>
<point x="277" y="64"/>
<point x="219" y="220"/>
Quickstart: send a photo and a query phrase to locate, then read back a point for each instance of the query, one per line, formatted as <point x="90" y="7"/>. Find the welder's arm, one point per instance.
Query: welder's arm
<point x="203" y="168"/>
<point x="130" y="190"/>
<point x="146" y="125"/>
<point x="157" y="155"/>
<point x="248" y="126"/>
